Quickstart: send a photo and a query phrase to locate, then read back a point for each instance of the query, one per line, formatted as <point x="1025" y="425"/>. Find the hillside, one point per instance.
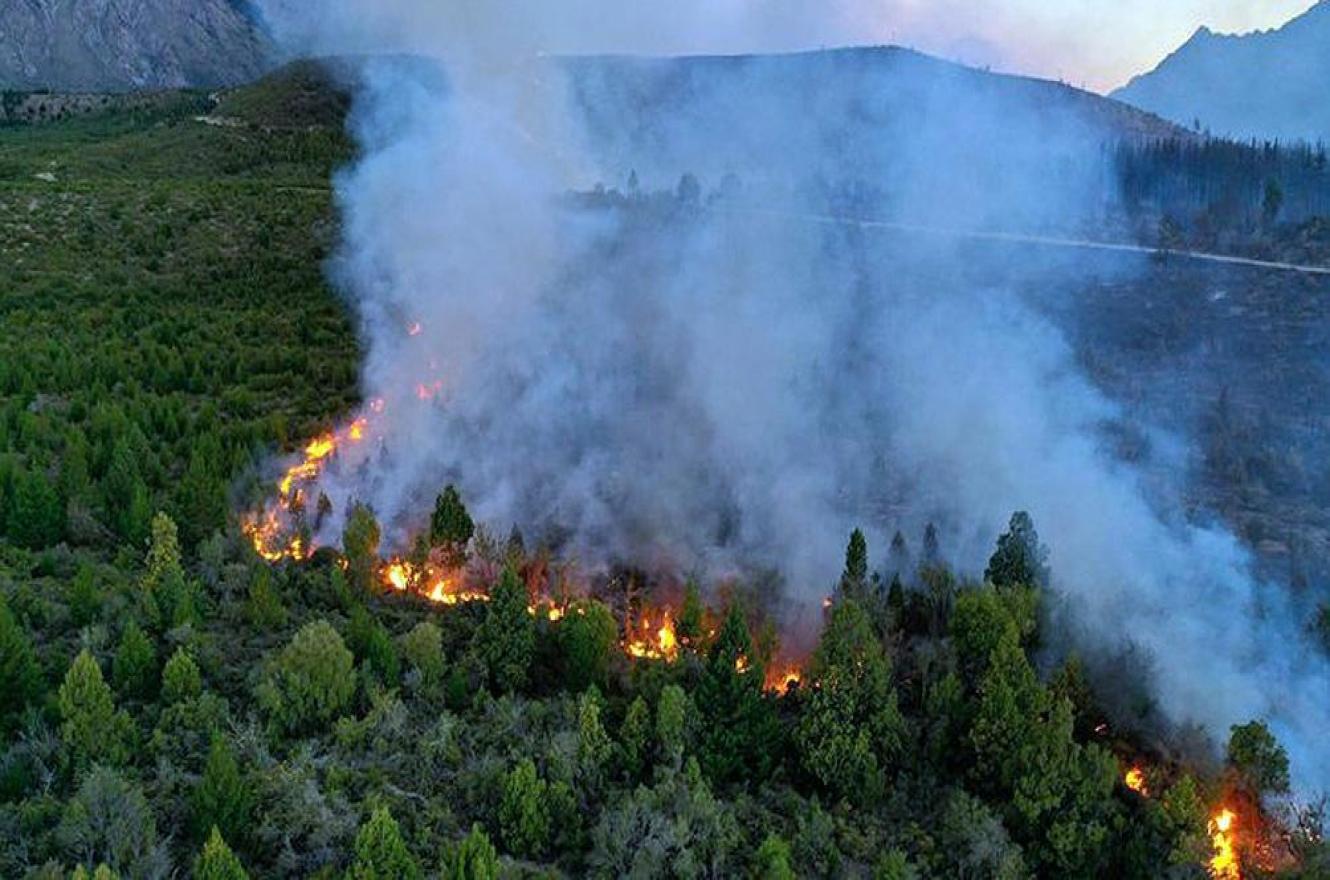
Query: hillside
<point x="124" y="45"/>
<point x="1262" y="85"/>
<point x="171" y="704"/>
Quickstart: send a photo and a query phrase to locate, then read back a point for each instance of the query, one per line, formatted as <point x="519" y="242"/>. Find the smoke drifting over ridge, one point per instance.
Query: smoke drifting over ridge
<point x="740" y="385"/>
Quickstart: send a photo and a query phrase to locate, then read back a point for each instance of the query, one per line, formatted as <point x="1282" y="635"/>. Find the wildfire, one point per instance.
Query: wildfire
<point x="270" y="532"/>
<point x="443" y="588"/>
<point x="779" y="681"/>
<point x="415" y="329"/>
<point x="1135" y="780"/>
<point x="653" y="643"/>
<point x="427" y="392"/>
<point x="1224" y="863"/>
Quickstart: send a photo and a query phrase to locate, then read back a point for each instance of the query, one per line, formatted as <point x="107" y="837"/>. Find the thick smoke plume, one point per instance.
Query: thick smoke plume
<point x="721" y="379"/>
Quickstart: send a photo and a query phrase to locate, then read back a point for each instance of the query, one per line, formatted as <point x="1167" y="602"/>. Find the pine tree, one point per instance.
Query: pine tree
<point x="854" y="580"/>
<point x="741" y="733"/>
<point x="773" y="859"/>
<point x="506" y="639"/>
<point x="690" y="627"/>
<point x="593" y="743"/>
<point x="524" y="815"/>
<point x="360" y="546"/>
<point x="223" y="799"/>
<point x="672" y="724"/>
<point x="851" y="725"/>
<point x="263" y="604"/>
<point x="134" y="668"/>
<point x="38" y="519"/>
<point x="181" y="679"/>
<point x="163" y="560"/>
<point x="451" y="526"/>
<point x="1020" y="560"/>
<point x="635" y="738"/>
<point x="20" y="674"/>
<point x="380" y="852"/>
<point x="217" y="862"/>
<point x="85" y="600"/>
<point x="201" y="497"/>
<point x="472" y="858"/>
<point x="92" y="729"/>
<point x="588" y="634"/>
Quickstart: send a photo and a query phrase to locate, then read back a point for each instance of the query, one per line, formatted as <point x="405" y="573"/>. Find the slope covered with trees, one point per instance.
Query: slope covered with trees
<point x="172" y="705"/>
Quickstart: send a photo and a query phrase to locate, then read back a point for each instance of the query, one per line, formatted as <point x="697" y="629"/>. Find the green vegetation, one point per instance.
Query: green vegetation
<point x="169" y="703"/>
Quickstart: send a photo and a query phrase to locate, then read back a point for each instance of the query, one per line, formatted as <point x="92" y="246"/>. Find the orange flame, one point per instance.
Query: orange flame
<point x="1224" y="863"/>
<point x="779" y="681"/>
<point x="658" y="644"/>
<point x="1135" y="780"/>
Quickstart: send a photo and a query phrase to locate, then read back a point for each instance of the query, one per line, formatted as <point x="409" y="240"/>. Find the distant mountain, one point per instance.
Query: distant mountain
<point x="884" y="131"/>
<point x="125" y="45"/>
<point x="1271" y="84"/>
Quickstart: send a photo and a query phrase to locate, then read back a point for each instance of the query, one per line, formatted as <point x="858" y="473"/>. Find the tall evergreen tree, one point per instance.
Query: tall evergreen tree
<point x="851" y="725"/>
<point x="92" y="730"/>
<point x="20" y="674"/>
<point x="360" y="547"/>
<point x="38" y="517"/>
<point x="506" y="639"/>
<point x="1020" y="560"/>
<point x="380" y="852"/>
<point x="472" y="858"/>
<point x="451" y="526"/>
<point x="217" y="862"/>
<point x="741" y="734"/>
<point x="854" y="580"/>
<point x="223" y="799"/>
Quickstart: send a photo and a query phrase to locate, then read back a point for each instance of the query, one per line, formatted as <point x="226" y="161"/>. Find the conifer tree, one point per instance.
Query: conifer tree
<point x="506" y="640"/>
<point x="217" y="862"/>
<point x="741" y="731"/>
<point x="91" y="728"/>
<point x="451" y="526"/>
<point x="854" y="580"/>
<point x="20" y="674"/>
<point x="380" y="852"/>
<point x="223" y="799"/>
<point x="472" y="858"/>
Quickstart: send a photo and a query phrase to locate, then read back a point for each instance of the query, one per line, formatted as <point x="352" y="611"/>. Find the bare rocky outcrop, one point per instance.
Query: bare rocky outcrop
<point x="126" y="45"/>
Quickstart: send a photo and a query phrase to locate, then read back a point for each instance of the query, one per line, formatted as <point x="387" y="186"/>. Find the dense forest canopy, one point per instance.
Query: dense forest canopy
<point x="173" y="704"/>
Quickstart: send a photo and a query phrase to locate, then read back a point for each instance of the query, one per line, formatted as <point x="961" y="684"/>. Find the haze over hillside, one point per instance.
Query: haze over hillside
<point x="1270" y="84"/>
<point x="123" y="45"/>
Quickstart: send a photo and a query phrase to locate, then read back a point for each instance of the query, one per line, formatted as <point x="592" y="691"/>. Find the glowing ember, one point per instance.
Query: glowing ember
<point x="741" y="664"/>
<point x="430" y="391"/>
<point x="1224" y="863"/>
<point x="779" y="681"/>
<point x="653" y="643"/>
<point x="1135" y="780"/>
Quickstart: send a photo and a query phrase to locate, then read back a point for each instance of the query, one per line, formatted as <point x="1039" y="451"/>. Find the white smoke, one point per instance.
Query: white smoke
<point x="728" y="387"/>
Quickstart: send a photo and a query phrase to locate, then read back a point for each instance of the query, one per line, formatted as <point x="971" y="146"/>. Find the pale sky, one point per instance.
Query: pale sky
<point x="1099" y="44"/>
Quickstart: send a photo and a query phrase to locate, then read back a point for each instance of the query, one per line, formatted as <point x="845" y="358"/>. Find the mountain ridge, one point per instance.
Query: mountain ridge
<point x="129" y="45"/>
<point x="1266" y="84"/>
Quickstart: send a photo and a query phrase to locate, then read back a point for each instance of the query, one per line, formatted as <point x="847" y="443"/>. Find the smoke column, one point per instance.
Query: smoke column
<point x="717" y="387"/>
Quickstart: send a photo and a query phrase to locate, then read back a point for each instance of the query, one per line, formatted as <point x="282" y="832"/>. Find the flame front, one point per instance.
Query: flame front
<point x="1135" y="780"/>
<point x="654" y="643"/>
<point x="273" y="533"/>
<point x="1224" y="863"/>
